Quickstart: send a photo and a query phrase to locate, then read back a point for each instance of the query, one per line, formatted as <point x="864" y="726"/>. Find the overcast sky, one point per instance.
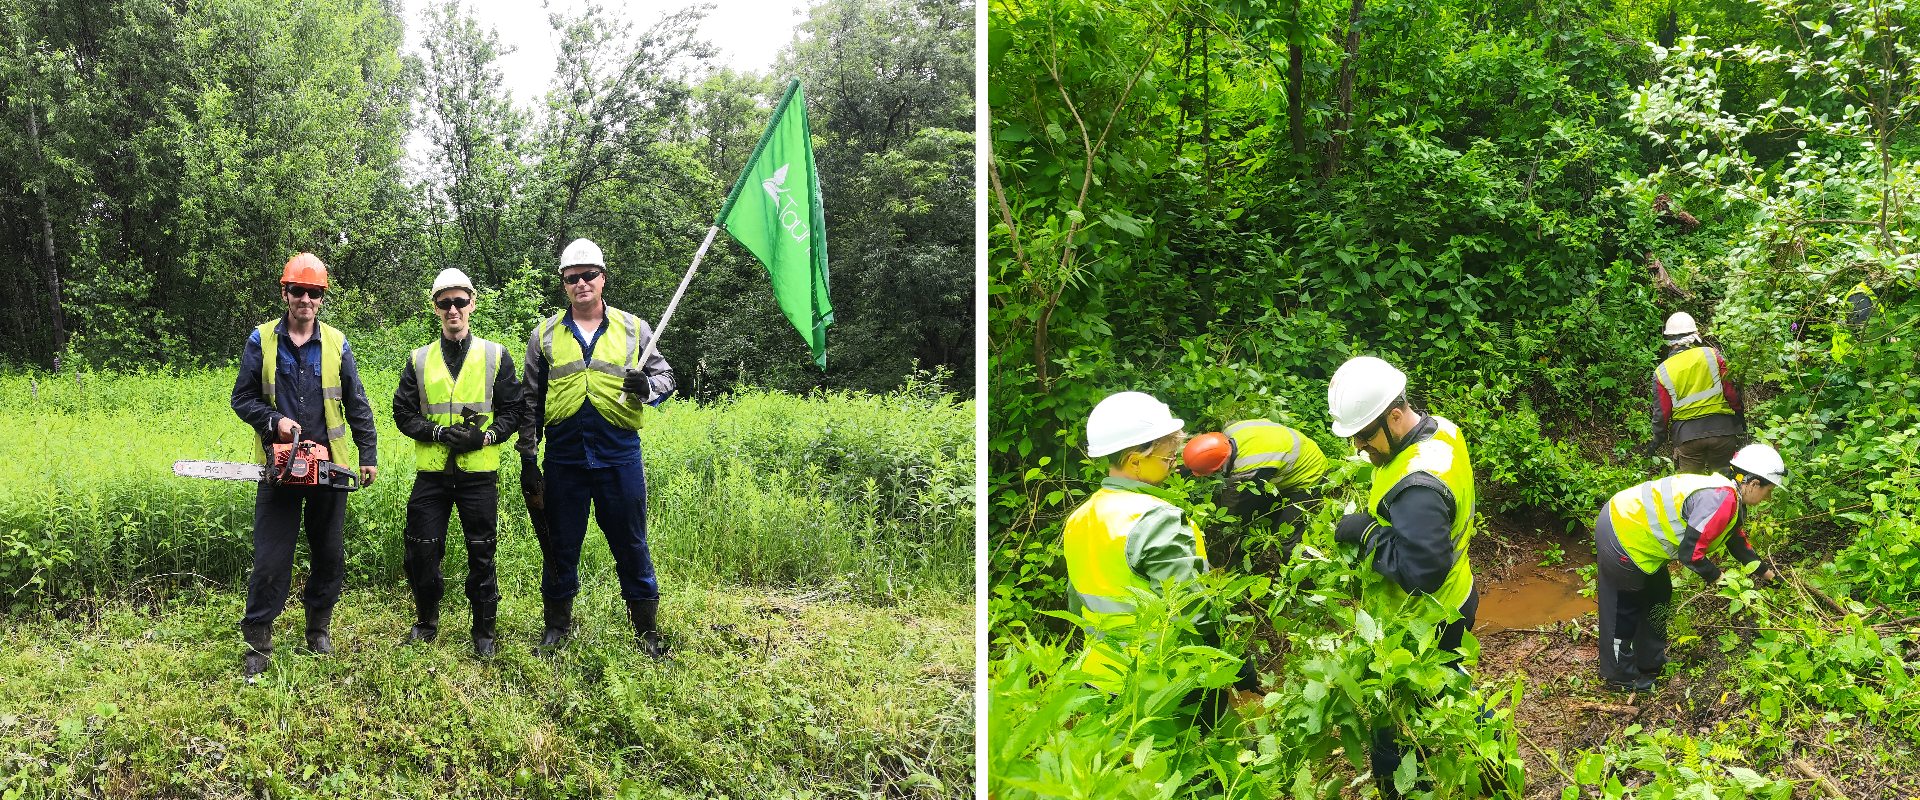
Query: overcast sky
<point x="747" y="32"/>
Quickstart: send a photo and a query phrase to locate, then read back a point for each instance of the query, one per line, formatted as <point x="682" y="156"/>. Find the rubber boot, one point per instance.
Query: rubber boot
<point x="644" y="614"/>
<point x="259" y="640"/>
<point x="428" y="628"/>
<point x="484" y="615"/>
<point x="319" y="620"/>
<point x="1636" y="681"/>
<point x="559" y="621"/>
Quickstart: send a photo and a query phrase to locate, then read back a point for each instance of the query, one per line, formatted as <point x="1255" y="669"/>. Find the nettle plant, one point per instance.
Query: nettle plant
<point x="1836" y="209"/>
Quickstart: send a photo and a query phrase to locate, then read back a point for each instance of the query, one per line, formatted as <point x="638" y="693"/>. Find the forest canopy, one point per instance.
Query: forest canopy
<point x="160" y="161"/>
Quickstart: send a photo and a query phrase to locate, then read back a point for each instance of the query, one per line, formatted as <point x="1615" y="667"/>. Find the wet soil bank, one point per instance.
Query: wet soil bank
<point x="1534" y="625"/>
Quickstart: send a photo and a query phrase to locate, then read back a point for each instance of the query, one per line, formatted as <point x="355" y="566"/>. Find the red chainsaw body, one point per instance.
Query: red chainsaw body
<point x="298" y="463"/>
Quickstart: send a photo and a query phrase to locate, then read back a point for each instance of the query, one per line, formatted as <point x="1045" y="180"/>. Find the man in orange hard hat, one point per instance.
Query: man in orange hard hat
<point x="1273" y="478"/>
<point x="298" y="379"/>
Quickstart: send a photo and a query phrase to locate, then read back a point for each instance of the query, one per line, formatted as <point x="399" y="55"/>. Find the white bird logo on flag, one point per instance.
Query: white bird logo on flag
<point x="776" y="184"/>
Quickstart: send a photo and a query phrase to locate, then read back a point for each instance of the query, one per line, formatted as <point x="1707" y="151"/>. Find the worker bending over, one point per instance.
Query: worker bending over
<point x="1695" y="403"/>
<point x="1273" y="478"/>
<point x="1122" y="538"/>
<point x="1683" y="518"/>
<point x="1419" y="515"/>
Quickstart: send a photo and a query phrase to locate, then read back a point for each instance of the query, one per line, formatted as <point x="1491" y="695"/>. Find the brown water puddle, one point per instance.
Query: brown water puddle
<point x="1528" y="595"/>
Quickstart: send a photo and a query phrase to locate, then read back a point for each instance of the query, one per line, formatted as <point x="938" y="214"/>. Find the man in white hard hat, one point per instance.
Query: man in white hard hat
<point x="1695" y="403"/>
<point x="1684" y="518"/>
<point x="1419" y="513"/>
<point x="1122" y="538"/>
<point x="585" y="391"/>
<point x="458" y="400"/>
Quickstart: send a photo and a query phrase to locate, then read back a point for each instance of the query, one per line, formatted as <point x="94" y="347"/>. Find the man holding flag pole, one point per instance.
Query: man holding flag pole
<point x="591" y="370"/>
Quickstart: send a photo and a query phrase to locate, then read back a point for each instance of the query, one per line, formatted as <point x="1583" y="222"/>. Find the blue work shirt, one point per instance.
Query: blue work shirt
<point x="587" y="439"/>
<point x="296" y="391"/>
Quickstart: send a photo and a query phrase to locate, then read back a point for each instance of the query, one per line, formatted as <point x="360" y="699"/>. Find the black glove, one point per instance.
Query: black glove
<point x="1353" y="528"/>
<point x="637" y="384"/>
<point x="532" y="483"/>
<point x="464" y="438"/>
<point x="1653" y="447"/>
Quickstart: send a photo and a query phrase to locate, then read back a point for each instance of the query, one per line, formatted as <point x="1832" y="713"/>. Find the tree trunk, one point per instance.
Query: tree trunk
<point x="51" y="270"/>
<point x="1343" y="96"/>
<point x="1296" y="66"/>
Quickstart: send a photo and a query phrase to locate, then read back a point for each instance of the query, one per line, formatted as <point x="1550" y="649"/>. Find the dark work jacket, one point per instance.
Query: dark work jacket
<point x="507" y="403"/>
<point x="1416" y="549"/>
<point x="297" y="391"/>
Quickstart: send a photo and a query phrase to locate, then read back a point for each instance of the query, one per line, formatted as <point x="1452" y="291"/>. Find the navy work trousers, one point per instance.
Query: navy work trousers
<point x="278" y="516"/>
<point x="618" y="497"/>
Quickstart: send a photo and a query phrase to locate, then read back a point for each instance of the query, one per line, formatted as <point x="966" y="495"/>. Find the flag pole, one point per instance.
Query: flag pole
<point x="653" y="342"/>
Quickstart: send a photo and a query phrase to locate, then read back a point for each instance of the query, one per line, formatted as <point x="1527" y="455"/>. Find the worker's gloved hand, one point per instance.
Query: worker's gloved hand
<point x="465" y="438"/>
<point x="1652" y="448"/>
<point x="532" y="483"/>
<point x="637" y="385"/>
<point x="1353" y="528"/>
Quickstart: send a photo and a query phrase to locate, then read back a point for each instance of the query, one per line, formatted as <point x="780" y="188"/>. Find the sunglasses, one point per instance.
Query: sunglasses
<point x="1366" y="435"/>
<point x="584" y="275"/>
<point x="306" y="291"/>
<point x="451" y="303"/>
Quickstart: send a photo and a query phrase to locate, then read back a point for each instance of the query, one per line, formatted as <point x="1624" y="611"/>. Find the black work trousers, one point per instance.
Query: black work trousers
<point x="1387" y="750"/>
<point x="1633" y="608"/>
<point x="429" y="509"/>
<point x="280" y="513"/>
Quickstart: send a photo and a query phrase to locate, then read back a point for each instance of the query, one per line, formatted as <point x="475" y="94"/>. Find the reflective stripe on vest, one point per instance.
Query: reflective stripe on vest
<point x="1254" y="442"/>
<point x="333" y="345"/>
<point x="573" y="378"/>
<point x="1692" y="380"/>
<point x="443" y="397"/>
<point x="1445" y="457"/>
<point x="1647" y="518"/>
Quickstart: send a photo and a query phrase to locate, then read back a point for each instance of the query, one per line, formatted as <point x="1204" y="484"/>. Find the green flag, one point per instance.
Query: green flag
<point x="775" y="211"/>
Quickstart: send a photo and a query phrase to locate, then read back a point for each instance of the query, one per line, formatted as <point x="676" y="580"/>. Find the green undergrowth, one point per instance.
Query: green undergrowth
<point x="778" y="694"/>
<point x="861" y="491"/>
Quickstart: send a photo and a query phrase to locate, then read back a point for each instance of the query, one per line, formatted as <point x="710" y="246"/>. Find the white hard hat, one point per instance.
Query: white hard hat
<point x="582" y="252"/>
<point x="1361" y="389"/>
<point x="1762" y="461"/>
<point x="450" y="278"/>
<point x="1681" y="322"/>
<point x="1128" y="419"/>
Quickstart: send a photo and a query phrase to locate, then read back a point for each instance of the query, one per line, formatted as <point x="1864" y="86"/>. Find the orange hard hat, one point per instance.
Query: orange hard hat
<point x="1207" y="453"/>
<point x="305" y="269"/>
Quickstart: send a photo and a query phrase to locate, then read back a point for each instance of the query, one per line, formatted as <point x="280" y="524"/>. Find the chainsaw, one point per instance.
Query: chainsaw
<point x="295" y="463"/>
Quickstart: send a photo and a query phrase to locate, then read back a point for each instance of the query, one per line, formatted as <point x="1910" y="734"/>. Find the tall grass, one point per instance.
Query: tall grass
<point x="870" y="493"/>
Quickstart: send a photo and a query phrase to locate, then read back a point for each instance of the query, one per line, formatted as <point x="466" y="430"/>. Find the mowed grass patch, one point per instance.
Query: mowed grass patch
<point x="767" y="694"/>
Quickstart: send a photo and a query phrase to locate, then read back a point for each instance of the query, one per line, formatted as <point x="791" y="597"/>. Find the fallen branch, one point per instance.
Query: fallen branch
<point x="1554" y="761"/>
<point x="1606" y="707"/>
<point x="1819" y="778"/>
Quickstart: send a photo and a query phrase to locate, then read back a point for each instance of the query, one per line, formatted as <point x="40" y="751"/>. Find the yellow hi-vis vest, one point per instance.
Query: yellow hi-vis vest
<point x="1647" y="520"/>
<point x="1692" y="379"/>
<point x="1260" y="443"/>
<point x="442" y="398"/>
<point x="1445" y="457"/>
<point x="573" y="379"/>
<point x="333" y="344"/>
<point x="1095" y="541"/>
